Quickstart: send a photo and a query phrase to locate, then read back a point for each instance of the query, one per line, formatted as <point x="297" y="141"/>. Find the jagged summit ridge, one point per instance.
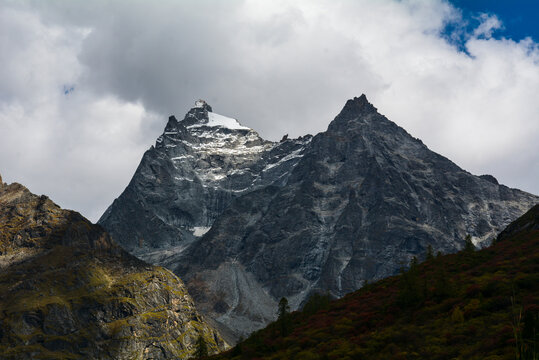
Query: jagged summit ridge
<point x="202" y="104"/>
<point x="202" y="115"/>
<point x="197" y="166"/>
<point x="356" y="107"/>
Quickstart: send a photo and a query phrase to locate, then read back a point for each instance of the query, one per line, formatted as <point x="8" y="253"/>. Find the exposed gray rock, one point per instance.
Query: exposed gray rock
<point x="351" y="205"/>
<point x="490" y="178"/>
<point x="197" y="167"/>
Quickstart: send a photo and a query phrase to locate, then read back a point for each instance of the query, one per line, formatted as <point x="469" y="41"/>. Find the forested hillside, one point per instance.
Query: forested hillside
<point x="470" y="305"/>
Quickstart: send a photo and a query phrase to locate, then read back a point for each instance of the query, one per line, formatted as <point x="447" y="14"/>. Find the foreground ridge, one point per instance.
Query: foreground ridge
<point x="68" y="292"/>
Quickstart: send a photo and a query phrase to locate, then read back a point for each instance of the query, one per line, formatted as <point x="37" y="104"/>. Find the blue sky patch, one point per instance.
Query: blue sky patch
<point x="68" y="89"/>
<point x="519" y="17"/>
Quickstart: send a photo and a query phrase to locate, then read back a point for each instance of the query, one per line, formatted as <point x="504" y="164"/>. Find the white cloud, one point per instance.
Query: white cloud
<point x="280" y="67"/>
<point x="79" y="148"/>
<point x="487" y="25"/>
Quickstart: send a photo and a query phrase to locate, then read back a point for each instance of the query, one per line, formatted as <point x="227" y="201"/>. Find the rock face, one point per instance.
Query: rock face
<point x="350" y="205"/>
<point x="197" y="167"/>
<point x="415" y="313"/>
<point x="68" y="292"/>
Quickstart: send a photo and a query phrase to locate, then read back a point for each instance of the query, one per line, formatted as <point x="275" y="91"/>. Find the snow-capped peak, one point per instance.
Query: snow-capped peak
<point x="217" y="120"/>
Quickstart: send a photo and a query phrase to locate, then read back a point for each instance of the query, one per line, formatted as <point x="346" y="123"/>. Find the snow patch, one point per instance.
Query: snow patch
<point x="223" y="121"/>
<point x="218" y="176"/>
<point x="200" y="230"/>
<point x="181" y="157"/>
<point x="293" y="155"/>
<point x="216" y="120"/>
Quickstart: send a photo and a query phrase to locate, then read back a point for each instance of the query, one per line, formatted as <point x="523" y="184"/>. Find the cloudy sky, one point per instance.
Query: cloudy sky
<point x="86" y="86"/>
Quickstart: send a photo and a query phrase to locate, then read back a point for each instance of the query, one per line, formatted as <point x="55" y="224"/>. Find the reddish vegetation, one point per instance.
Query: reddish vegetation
<point x="470" y="305"/>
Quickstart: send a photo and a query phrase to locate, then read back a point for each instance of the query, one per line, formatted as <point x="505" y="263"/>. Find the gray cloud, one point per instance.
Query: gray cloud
<point x="277" y="67"/>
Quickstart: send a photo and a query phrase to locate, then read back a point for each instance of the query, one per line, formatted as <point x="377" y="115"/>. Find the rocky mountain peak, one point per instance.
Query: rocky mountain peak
<point x="202" y="104"/>
<point x="355" y="107"/>
<point x="247" y="221"/>
<point x="207" y="160"/>
<point x="202" y="115"/>
<point x="197" y="114"/>
<point x="41" y="224"/>
<point x="356" y="113"/>
<point x="172" y="124"/>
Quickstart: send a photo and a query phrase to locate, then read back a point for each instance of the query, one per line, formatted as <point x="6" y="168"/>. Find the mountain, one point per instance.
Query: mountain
<point x="67" y="291"/>
<point x="197" y="167"/>
<point x="469" y="305"/>
<point x="291" y="218"/>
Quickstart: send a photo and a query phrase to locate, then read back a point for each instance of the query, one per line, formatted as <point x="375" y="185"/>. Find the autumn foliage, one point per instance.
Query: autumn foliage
<point x="470" y="305"/>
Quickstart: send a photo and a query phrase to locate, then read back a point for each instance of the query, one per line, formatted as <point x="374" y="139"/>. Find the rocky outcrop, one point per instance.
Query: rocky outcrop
<point x="353" y="204"/>
<point x="67" y="291"/>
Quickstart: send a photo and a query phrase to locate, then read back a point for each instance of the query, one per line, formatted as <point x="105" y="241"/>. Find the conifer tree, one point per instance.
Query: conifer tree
<point x="468" y="244"/>
<point x="411" y="292"/>
<point x="283" y="313"/>
<point x="430" y="253"/>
